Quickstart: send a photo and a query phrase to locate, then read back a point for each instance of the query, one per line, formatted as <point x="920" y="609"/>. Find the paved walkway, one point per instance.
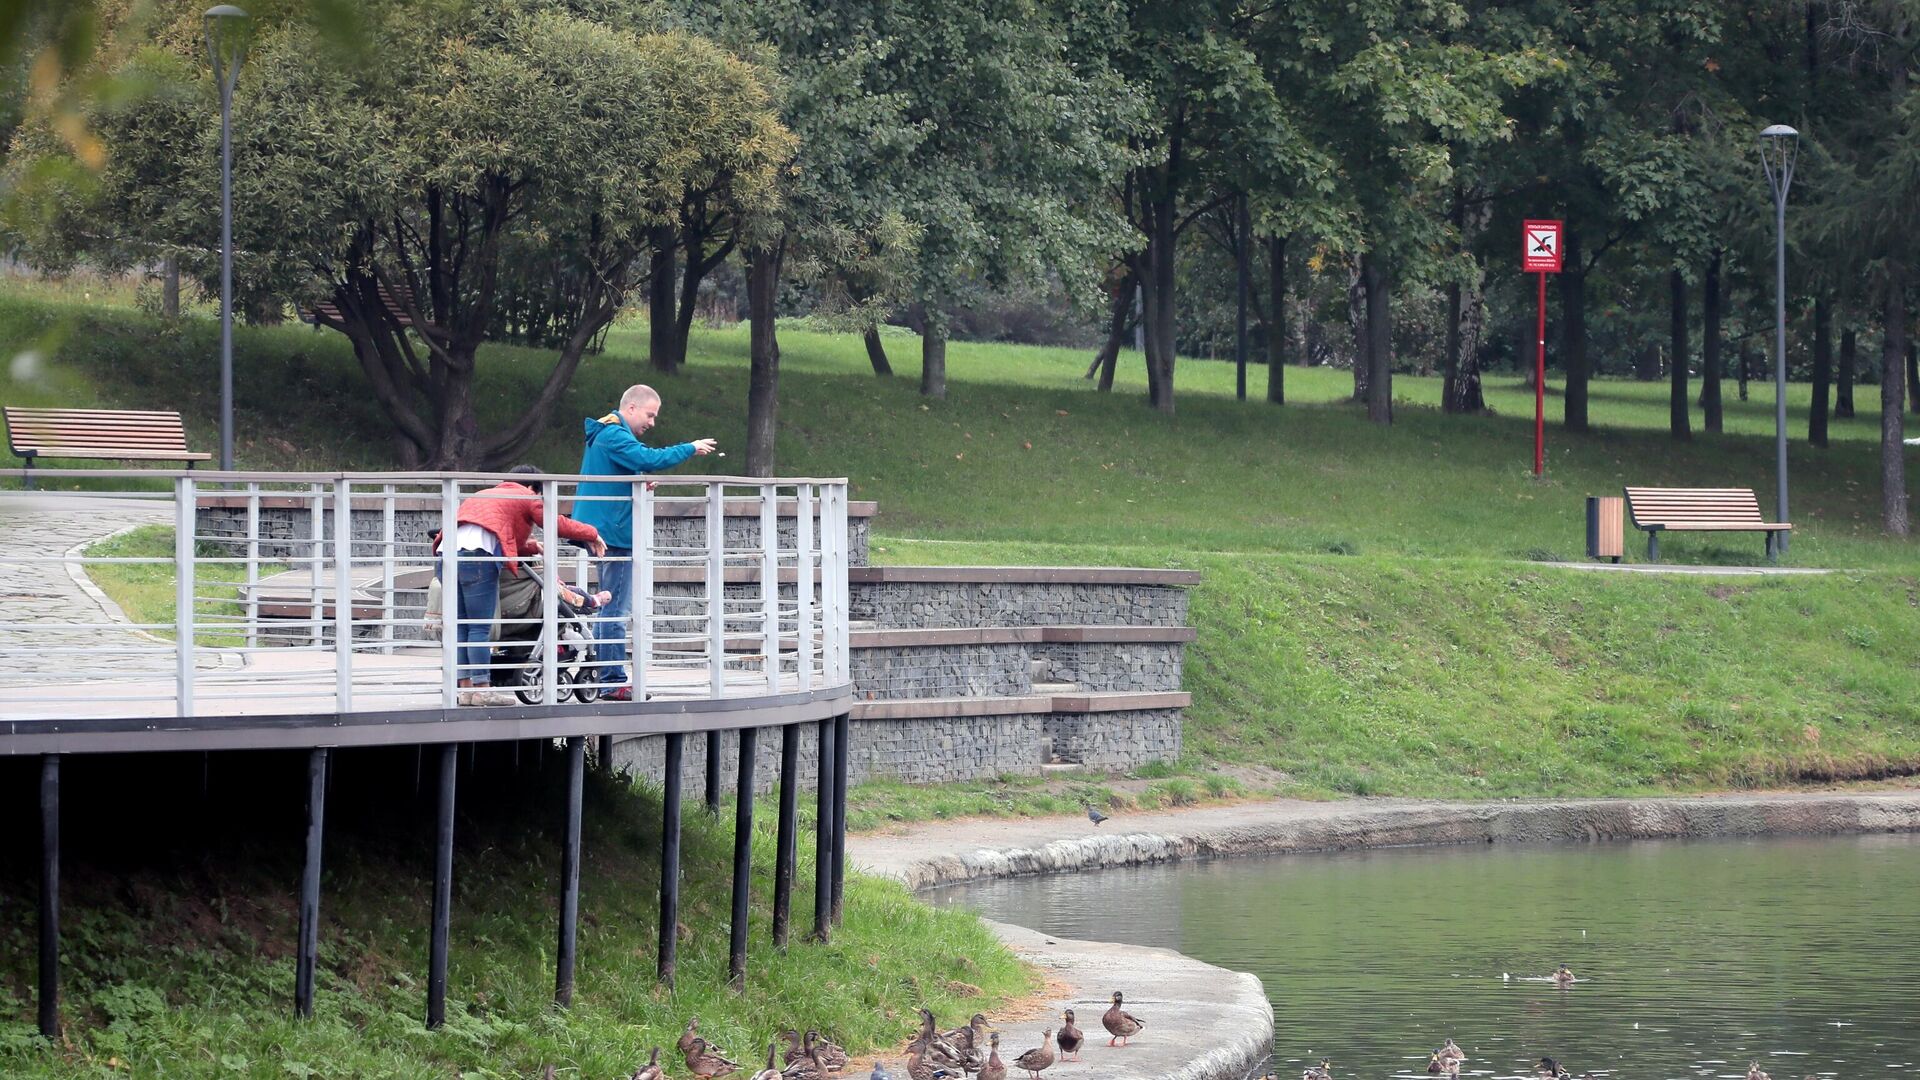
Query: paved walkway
<point x="50" y="612"/>
<point x="1696" y="571"/>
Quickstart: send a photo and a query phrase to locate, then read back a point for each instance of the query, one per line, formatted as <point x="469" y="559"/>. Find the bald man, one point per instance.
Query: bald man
<point x="614" y="449"/>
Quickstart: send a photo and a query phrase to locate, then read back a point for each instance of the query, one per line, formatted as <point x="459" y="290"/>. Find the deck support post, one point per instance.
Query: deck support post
<point x="50" y="896"/>
<point x="823" y="838"/>
<point x="841" y="737"/>
<point x="442" y="891"/>
<point x="670" y="858"/>
<point x="713" y="772"/>
<point x="604" y="751"/>
<point x="786" y="842"/>
<point x="308" y="956"/>
<point x="742" y="859"/>
<point x="570" y="873"/>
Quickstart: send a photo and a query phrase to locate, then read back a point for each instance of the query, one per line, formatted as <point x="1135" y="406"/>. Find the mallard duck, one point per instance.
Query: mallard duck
<point x="1322" y="1071"/>
<point x="1551" y="1068"/>
<point x="687" y="1038"/>
<point x="1447" y="1059"/>
<point x="1120" y="1023"/>
<point x="1070" y="1039"/>
<point x="994" y="1069"/>
<point x="920" y="1067"/>
<point x="772" y="1071"/>
<point x="940" y="1052"/>
<point x="1754" y="1073"/>
<point x="651" y="1070"/>
<point x="708" y="1062"/>
<point x="1039" y="1058"/>
<point x="1564" y="977"/>
<point x="823" y="1052"/>
<point x="796" y="1051"/>
<point x="970" y="1036"/>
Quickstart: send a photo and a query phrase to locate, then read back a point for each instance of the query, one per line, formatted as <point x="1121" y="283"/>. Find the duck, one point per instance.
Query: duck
<point x="707" y="1062"/>
<point x="1548" y="1067"/>
<point x="920" y="1068"/>
<point x="1120" y="1024"/>
<point x="825" y="1053"/>
<point x="970" y="1036"/>
<point x="1039" y="1058"/>
<point x="932" y="1044"/>
<point x="1754" y="1073"/>
<point x="994" y="1068"/>
<point x="651" y="1070"/>
<point x="688" y="1037"/>
<point x="1322" y="1071"/>
<point x="796" y="1051"/>
<point x="1564" y="977"/>
<point x="772" y="1071"/>
<point x="1071" y="1038"/>
<point x="1447" y="1059"/>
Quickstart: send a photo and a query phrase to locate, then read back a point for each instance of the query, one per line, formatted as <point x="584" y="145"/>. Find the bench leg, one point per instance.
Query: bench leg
<point x="29" y="477"/>
<point x="1773" y="547"/>
<point x="1653" y="546"/>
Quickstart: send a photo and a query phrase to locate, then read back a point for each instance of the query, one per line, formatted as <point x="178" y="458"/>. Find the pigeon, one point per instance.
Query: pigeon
<point x="1095" y="816"/>
<point x="879" y="1072"/>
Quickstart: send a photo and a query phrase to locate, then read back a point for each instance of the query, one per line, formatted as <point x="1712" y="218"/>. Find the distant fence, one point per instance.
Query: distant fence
<point x="297" y="592"/>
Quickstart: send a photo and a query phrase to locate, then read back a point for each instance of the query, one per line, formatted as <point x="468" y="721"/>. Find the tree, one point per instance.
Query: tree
<point x="481" y="158"/>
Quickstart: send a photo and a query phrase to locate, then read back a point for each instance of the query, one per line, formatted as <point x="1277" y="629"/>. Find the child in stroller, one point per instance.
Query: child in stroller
<point x="521" y="645"/>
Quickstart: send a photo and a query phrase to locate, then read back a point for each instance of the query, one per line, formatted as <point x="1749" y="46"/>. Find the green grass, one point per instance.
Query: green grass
<point x="188" y="969"/>
<point x="145" y="589"/>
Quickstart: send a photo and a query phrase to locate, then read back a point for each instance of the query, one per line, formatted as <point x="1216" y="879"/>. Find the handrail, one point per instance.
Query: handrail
<point x="297" y="591"/>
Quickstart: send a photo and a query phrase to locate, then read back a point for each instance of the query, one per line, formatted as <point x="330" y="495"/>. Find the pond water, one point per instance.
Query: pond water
<point x="1693" y="957"/>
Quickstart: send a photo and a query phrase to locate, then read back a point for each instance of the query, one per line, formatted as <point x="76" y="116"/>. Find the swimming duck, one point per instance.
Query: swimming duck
<point x="651" y="1070"/>
<point x="708" y="1062"/>
<point x="1754" y="1073"/>
<point x="1070" y="1039"/>
<point x="1564" y="977"/>
<point x="994" y="1068"/>
<point x="1120" y="1023"/>
<point x="1322" y="1071"/>
<point x="1039" y="1058"/>
<point x="1447" y="1059"/>
<point x="1548" y="1067"/>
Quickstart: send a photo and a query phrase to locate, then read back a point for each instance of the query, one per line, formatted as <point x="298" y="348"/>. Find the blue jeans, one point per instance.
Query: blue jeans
<point x="479" y="596"/>
<point x="616" y="577"/>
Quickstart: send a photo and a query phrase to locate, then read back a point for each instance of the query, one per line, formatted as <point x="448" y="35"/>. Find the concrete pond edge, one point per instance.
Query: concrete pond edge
<point x="1216" y="1024"/>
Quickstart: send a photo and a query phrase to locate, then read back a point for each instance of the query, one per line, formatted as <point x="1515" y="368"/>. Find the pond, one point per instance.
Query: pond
<point x="1693" y="957"/>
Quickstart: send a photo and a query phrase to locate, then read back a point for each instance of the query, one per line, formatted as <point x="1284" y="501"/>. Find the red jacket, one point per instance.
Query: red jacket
<point x="512" y="518"/>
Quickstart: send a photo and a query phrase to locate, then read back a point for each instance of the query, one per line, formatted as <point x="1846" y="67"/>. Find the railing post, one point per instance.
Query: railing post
<point x="316" y="564"/>
<point x="253" y="564"/>
<point x="841" y="600"/>
<point x="716" y="588"/>
<point x="640" y="613"/>
<point x="550" y="595"/>
<point x="343" y="594"/>
<point x="770" y="584"/>
<point x="387" y="568"/>
<point x="449" y="593"/>
<point x="803" y="583"/>
<point x="184" y="496"/>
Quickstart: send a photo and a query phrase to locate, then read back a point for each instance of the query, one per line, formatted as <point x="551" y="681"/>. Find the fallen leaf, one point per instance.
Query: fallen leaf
<point x="1027" y="445"/>
<point x="957" y="457"/>
<point x="1059" y="412"/>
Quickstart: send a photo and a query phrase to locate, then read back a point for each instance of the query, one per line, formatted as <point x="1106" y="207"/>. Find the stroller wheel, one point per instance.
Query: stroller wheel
<point x="586" y="692"/>
<point x="530" y="694"/>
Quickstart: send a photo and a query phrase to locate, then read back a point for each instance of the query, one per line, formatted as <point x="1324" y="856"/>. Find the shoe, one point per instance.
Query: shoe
<point x="486" y="696"/>
<point x="618" y="693"/>
<point x="465" y="698"/>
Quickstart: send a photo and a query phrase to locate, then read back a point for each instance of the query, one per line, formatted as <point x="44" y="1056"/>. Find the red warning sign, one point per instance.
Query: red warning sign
<point x="1541" y="251"/>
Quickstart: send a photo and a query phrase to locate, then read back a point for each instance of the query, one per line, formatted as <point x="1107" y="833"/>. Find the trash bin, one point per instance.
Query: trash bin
<point x="1606" y="527"/>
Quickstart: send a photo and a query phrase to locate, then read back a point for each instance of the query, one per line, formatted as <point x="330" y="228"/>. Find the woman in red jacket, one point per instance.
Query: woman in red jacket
<point x="494" y="528"/>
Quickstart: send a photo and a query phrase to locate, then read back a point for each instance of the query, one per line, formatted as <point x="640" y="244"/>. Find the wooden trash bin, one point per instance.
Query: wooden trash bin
<point x="1606" y="527"/>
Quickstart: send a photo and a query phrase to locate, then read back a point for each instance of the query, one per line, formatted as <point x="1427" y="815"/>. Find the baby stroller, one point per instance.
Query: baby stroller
<point x="519" y="648"/>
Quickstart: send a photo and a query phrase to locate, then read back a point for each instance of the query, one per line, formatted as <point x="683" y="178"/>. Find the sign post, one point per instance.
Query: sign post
<point x="1540" y="253"/>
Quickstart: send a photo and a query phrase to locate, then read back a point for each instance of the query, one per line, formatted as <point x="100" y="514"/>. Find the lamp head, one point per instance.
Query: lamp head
<point x="227" y="29"/>
<point x="1779" y="131"/>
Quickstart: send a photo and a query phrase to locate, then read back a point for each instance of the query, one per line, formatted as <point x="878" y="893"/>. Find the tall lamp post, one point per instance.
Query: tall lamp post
<point x="1777" y="146"/>
<point x="226" y="29"/>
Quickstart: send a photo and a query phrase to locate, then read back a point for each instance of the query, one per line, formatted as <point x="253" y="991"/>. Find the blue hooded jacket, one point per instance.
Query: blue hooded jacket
<point x="612" y="450"/>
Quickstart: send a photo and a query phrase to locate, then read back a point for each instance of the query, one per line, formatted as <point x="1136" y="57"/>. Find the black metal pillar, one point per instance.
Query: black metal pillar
<point x="309" y="947"/>
<point x="823" y="838"/>
<point x="742" y="859"/>
<point x="670" y="857"/>
<point x="786" y="839"/>
<point x="841" y="724"/>
<point x="713" y="772"/>
<point x="605" y="754"/>
<point x="570" y="873"/>
<point x="50" y="895"/>
<point x="442" y="891"/>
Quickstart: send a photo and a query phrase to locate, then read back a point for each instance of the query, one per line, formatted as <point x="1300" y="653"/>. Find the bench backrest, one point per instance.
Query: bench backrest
<point x="1693" y="506"/>
<point x="51" y="432"/>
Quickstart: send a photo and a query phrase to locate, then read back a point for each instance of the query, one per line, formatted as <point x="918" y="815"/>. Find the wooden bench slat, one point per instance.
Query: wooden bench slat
<point x="113" y="434"/>
<point x="1658" y="510"/>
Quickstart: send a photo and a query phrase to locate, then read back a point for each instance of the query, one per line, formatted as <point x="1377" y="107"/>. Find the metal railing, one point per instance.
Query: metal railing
<point x="305" y="593"/>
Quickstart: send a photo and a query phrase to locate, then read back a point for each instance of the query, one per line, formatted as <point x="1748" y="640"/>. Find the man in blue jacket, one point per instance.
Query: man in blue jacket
<point x="614" y="449"/>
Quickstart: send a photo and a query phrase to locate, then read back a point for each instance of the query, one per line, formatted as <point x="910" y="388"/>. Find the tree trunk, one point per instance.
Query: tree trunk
<point x="1357" y="320"/>
<point x="661" y="354"/>
<point x="1573" y="334"/>
<point x="1379" y="340"/>
<point x="1843" y="397"/>
<point x="1913" y="377"/>
<point x="1679" y="423"/>
<point x="1160" y="304"/>
<point x="170" y="287"/>
<point x="1710" y="361"/>
<point x="1893" y="464"/>
<point x="763" y="352"/>
<point x="690" y="278"/>
<point x="877" y="352"/>
<point x="1119" y="314"/>
<point x="1646" y="364"/>
<point x="1466" y="321"/>
<point x="1746" y="368"/>
<point x="1277" y="320"/>
<point x="1822" y="370"/>
<point x="933" y="357"/>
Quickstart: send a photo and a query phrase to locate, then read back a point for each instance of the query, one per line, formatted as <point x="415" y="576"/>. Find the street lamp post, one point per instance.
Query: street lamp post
<point x="1777" y="146"/>
<point x="226" y="29"/>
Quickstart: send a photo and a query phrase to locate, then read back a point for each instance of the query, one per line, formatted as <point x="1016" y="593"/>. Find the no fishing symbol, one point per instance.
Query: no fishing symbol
<point x="1541" y="251"/>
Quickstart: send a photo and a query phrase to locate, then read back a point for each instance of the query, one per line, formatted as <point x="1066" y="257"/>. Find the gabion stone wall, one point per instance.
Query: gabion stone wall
<point x="899" y="605"/>
<point x="1139" y="666"/>
<point x="1116" y="739"/>
<point x="941" y="671"/>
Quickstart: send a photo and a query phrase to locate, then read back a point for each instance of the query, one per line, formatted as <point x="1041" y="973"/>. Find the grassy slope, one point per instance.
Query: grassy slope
<point x="1414" y="661"/>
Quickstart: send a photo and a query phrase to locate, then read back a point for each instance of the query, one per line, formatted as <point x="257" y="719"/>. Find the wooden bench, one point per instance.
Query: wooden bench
<point x="111" y="434"/>
<point x="1659" y="510"/>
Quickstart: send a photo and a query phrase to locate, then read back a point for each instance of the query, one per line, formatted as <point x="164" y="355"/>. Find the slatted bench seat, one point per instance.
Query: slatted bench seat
<point x="108" y="434"/>
<point x="1659" y="510"/>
